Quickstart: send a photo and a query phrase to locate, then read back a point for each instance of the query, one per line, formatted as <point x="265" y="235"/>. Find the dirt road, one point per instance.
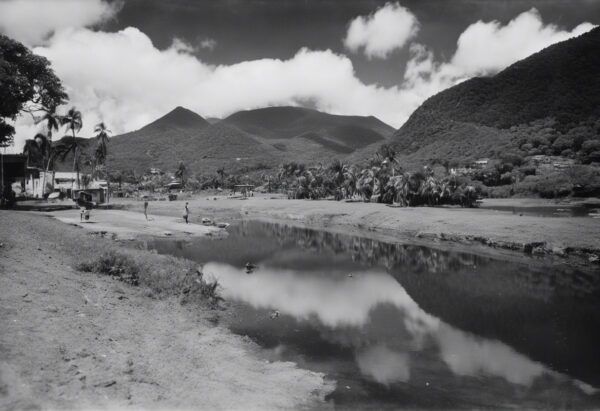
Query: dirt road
<point x="73" y="340"/>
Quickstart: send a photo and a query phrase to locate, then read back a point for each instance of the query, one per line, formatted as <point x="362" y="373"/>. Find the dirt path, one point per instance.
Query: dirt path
<point x="71" y="340"/>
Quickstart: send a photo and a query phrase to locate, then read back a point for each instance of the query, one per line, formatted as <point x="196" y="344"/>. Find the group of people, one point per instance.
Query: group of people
<point x="186" y="212"/>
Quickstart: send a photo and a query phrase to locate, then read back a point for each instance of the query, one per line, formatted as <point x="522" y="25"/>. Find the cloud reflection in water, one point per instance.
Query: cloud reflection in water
<point x="340" y="302"/>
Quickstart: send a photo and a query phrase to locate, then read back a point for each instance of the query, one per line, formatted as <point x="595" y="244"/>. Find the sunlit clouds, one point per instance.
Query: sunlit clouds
<point x="388" y="29"/>
<point x="33" y="21"/>
<point x="124" y="79"/>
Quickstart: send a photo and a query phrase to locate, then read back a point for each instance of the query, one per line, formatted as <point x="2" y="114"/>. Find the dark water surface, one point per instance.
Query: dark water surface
<point x="548" y="211"/>
<point x="400" y="326"/>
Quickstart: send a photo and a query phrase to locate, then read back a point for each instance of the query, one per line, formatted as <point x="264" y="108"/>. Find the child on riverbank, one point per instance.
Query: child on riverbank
<point x="186" y="213"/>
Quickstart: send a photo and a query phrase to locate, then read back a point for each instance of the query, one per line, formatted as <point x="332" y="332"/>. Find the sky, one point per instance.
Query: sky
<point x="127" y="62"/>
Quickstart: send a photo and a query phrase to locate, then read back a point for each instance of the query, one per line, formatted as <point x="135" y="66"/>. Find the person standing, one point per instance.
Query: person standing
<point x="146" y="209"/>
<point x="186" y="213"/>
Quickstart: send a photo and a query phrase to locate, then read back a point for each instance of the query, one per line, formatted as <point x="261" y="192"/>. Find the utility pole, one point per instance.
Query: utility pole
<point x="2" y="183"/>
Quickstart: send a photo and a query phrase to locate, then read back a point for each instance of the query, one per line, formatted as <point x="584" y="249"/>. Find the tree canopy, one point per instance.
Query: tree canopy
<point x="27" y="84"/>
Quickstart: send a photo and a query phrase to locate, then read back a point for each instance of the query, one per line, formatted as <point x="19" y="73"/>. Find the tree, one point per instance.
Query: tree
<point x="221" y="173"/>
<point x="36" y="150"/>
<point x="181" y="172"/>
<point x="102" y="145"/>
<point x="74" y="123"/>
<point x="28" y="84"/>
<point x="52" y="123"/>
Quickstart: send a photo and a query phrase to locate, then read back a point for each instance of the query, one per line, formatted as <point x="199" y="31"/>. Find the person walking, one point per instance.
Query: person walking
<point x="146" y="209"/>
<point x="186" y="213"/>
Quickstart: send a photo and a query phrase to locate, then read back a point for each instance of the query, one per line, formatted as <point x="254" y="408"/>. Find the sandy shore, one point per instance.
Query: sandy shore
<point x="74" y="340"/>
<point x="564" y="239"/>
<point x="128" y="225"/>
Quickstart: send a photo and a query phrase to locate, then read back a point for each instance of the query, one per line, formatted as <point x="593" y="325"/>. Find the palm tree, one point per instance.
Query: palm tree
<point x="349" y="184"/>
<point x="180" y="173"/>
<point x="37" y="153"/>
<point x="397" y="189"/>
<point x="221" y="173"/>
<point x="102" y="145"/>
<point x="338" y="169"/>
<point x="368" y="182"/>
<point x="430" y="190"/>
<point x="388" y="155"/>
<point x="52" y="123"/>
<point x="73" y="122"/>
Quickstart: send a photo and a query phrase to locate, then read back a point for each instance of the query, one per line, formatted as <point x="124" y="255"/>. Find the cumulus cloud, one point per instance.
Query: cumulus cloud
<point x="32" y="21"/>
<point x="485" y="48"/>
<point x="380" y="33"/>
<point x="123" y="79"/>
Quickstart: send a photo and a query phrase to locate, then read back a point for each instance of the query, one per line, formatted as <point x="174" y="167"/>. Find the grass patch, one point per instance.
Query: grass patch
<point x="164" y="275"/>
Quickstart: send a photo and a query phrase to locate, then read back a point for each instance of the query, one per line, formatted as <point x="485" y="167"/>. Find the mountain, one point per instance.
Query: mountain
<point x="179" y="118"/>
<point x="548" y="103"/>
<point x="183" y="135"/>
<point x="338" y="134"/>
<point x="243" y="142"/>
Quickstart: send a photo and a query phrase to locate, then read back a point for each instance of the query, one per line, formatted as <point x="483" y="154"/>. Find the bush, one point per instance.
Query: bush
<point x="528" y="171"/>
<point x="118" y="266"/>
<point x="500" y="192"/>
<point x="590" y="146"/>
<point x="512" y="158"/>
<point x="506" y="178"/>
<point x="171" y="277"/>
<point x="593" y="157"/>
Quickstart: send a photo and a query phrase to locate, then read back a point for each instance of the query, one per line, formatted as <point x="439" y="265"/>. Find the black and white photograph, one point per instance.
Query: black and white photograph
<point x="299" y="205"/>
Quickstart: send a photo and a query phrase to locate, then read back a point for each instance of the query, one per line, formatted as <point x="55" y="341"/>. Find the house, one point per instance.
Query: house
<point x="461" y="171"/>
<point x="34" y="182"/>
<point x="481" y="163"/>
<point x="175" y="185"/>
<point x="97" y="195"/>
<point x="67" y="180"/>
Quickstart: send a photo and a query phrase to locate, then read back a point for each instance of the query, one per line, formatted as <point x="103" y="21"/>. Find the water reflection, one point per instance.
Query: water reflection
<point x="410" y="325"/>
<point x="338" y="301"/>
<point x="383" y="364"/>
<point x="333" y="297"/>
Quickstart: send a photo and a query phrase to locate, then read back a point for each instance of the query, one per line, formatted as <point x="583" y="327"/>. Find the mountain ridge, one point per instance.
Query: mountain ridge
<point x="251" y="139"/>
<point x="525" y="108"/>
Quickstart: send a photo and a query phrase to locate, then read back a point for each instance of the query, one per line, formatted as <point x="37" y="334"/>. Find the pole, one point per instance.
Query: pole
<point x="2" y="184"/>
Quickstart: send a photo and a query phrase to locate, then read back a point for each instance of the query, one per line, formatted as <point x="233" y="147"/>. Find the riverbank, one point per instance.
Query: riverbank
<point x="564" y="240"/>
<point x="127" y="225"/>
<point x="76" y="340"/>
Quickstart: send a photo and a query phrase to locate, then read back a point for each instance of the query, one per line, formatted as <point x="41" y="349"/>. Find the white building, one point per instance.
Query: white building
<point x="67" y="180"/>
<point x="34" y="184"/>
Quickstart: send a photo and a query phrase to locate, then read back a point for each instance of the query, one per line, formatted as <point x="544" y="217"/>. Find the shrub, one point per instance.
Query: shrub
<point x="590" y="146"/>
<point x="512" y="158"/>
<point x="118" y="266"/>
<point x="506" y="178"/>
<point x="528" y="171"/>
<point x="500" y="192"/>
<point x="171" y="277"/>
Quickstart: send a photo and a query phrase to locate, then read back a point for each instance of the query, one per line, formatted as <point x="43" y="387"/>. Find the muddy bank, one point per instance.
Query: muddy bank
<point x="73" y="340"/>
<point x="570" y="241"/>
